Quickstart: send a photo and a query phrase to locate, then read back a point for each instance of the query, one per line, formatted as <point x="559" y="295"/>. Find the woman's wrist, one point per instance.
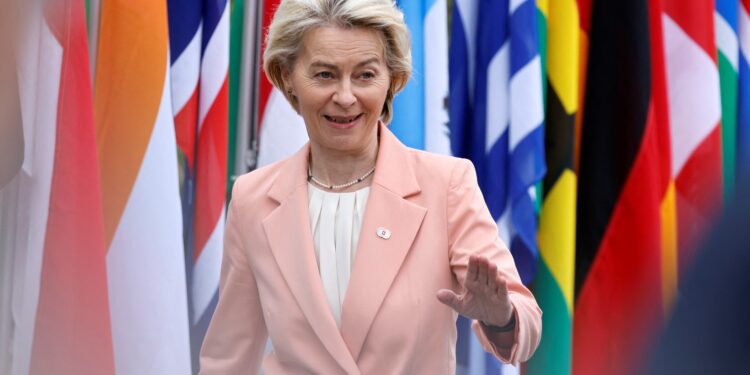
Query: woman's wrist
<point x="510" y="326"/>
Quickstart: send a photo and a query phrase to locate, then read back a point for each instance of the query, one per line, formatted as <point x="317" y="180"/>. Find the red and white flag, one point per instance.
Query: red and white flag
<point x="52" y="211"/>
<point x="695" y="118"/>
<point x="281" y="130"/>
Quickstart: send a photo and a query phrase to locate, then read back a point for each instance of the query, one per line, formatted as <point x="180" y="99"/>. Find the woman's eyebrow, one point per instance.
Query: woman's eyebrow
<point x="322" y="64"/>
<point x="368" y="61"/>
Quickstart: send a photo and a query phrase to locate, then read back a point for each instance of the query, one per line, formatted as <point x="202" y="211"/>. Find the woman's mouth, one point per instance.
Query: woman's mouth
<point x="342" y="122"/>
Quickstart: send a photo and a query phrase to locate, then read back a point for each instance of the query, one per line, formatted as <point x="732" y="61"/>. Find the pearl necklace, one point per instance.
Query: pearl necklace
<point x="355" y="181"/>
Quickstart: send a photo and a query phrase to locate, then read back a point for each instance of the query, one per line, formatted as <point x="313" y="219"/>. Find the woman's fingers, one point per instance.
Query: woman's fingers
<point x="482" y="273"/>
<point x="492" y="279"/>
<point x="449" y="298"/>
<point x="492" y="276"/>
<point x="481" y="276"/>
<point x="472" y="272"/>
<point x="486" y="295"/>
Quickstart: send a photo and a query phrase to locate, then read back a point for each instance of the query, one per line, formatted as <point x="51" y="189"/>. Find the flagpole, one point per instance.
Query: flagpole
<point x="257" y="35"/>
<point x="94" y="12"/>
<point x="246" y="156"/>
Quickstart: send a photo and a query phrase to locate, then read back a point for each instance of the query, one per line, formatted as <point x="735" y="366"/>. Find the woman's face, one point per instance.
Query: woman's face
<point x="340" y="80"/>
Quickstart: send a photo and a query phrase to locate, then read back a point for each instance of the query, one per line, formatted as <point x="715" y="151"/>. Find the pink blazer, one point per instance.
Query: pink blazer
<point x="392" y="321"/>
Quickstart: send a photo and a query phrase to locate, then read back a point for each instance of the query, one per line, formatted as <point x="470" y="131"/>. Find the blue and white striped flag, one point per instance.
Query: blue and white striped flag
<point x="743" y="110"/>
<point x="496" y="120"/>
<point x="421" y="116"/>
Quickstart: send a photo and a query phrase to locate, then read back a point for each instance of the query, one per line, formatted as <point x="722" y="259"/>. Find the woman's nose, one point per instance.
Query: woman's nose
<point x="344" y="95"/>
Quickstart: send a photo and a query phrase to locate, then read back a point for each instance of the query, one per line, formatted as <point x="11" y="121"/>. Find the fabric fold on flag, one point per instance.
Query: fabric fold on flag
<point x="554" y="282"/>
<point x="51" y="213"/>
<point x="199" y="45"/>
<point x="623" y="180"/>
<point x="139" y="177"/>
<point x="695" y="120"/>
<point x="496" y="117"/>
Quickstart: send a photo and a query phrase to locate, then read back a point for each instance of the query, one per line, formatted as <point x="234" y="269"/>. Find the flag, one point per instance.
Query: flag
<point x="199" y="45"/>
<point x="623" y="180"/>
<point x="725" y="27"/>
<point x="584" y="16"/>
<point x="236" y="40"/>
<point x="185" y="37"/>
<point x="281" y="130"/>
<point x="743" y="110"/>
<point x="496" y="115"/>
<point x="54" y="230"/>
<point x="139" y="179"/>
<point x="542" y="10"/>
<point x="211" y="168"/>
<point x="554" y="282"/>
<point x="436" y="130"/>
<point x="420" y="115"/>
<point x="695" y="119"/>
<point x="408" y="107"/>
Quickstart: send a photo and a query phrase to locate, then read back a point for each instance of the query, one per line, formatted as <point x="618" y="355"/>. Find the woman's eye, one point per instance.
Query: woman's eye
<point x="368" y="75"/>
<point x="324" y="75"/>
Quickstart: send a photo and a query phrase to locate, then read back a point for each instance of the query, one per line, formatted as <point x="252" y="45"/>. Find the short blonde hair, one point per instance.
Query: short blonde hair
<point x="294" y="18"/>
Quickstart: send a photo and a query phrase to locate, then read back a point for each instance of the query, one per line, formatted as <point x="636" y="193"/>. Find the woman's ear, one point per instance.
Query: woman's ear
<point x="287" y="80"/>
<point x="288" y="89"/>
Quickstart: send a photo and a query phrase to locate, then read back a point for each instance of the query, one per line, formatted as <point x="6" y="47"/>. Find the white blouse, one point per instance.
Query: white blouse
<point x="336" y="220"/>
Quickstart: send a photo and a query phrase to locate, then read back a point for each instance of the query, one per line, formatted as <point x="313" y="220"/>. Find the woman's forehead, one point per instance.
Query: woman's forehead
<point x="336" y="45"/>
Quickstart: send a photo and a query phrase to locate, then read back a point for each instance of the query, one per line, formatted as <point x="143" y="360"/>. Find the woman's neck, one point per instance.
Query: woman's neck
<point x="333" y="167"/>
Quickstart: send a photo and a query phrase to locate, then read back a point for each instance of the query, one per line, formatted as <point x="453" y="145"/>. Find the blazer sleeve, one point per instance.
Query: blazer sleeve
<point x="471" y="230"/>
<point x="236" y="337"/>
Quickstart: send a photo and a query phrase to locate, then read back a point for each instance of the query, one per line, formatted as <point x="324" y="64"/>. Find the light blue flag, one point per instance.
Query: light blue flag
<point x="420" y="113"/>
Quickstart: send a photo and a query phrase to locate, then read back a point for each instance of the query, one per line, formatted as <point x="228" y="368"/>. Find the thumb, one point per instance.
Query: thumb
<point x="448" y="297"/>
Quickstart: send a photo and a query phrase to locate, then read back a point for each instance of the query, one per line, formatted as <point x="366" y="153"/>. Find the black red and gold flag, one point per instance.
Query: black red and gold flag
<point x="623" y="178"/>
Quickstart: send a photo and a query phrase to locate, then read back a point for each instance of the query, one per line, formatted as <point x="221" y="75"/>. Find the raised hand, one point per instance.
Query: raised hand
<point x="485" y="297"/>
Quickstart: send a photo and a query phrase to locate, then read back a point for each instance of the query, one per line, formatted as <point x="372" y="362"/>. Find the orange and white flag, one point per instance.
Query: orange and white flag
<point x="140" y="188"/>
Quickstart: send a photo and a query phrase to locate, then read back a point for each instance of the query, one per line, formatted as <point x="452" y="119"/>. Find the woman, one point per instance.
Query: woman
<point x="356" y="254"/>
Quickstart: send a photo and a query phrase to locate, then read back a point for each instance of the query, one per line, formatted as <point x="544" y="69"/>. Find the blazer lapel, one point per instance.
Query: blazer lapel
<point x="289" y="235"/>
<point x="378" y="260"/>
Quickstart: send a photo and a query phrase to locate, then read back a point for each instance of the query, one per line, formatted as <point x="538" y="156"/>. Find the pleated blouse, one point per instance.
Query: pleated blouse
<point x="336" y="220"/>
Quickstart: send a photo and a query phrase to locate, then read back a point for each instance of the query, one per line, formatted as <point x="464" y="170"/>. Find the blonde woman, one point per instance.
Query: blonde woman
<point x="357" y="254"/>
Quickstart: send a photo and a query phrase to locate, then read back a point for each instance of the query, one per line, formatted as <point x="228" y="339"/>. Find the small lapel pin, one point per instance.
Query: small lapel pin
<point x="383" y="233"/>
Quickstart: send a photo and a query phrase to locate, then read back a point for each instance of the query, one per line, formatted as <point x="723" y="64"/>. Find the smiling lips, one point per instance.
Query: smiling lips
<point x="341" y="121"/>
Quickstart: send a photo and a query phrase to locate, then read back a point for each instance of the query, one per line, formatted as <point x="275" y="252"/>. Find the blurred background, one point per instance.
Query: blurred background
<point x="608" y="136"/>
